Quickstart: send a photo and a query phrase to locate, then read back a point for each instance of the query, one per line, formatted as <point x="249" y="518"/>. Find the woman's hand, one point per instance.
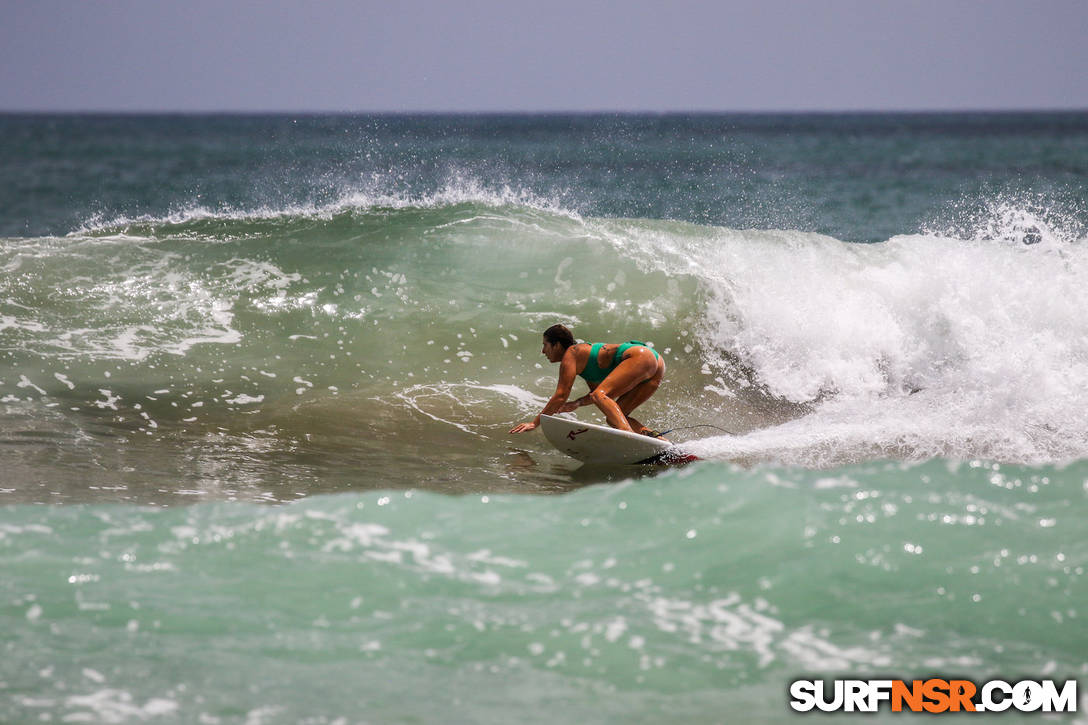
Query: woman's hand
<point x="570" y="407"/>
<point x="524" y="427"/>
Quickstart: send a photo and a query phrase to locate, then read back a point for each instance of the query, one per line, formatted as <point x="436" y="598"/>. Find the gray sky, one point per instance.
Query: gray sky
<point x="559" y="55"/>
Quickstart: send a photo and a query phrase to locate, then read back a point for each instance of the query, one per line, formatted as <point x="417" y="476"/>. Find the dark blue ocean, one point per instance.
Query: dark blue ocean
<point x="257" y="373"/>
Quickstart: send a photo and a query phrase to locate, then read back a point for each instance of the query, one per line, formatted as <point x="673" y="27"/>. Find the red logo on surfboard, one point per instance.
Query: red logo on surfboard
<point x="573" y="433"/>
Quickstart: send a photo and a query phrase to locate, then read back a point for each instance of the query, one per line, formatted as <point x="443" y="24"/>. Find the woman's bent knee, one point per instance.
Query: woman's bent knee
<point x="598" y="396"/>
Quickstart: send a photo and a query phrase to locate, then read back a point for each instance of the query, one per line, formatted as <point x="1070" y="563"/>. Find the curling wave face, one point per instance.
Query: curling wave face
<point x="385" y="316"/>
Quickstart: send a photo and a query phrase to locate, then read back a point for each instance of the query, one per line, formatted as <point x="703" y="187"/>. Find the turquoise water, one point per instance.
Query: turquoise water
<point x="691" y="594"/>
<point x="256" y="375"/>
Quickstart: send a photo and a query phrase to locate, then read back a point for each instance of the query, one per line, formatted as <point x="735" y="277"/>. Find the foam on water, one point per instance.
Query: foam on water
<point x="925" y="345"/>
<point x="453" y="404"/>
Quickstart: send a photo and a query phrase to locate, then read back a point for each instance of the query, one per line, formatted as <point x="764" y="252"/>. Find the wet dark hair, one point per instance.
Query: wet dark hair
<point x="560" y="334"/>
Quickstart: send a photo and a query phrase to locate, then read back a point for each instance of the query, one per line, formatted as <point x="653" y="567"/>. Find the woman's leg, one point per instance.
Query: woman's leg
<point x="640" y="366"/>
<point x="639" y="395"/>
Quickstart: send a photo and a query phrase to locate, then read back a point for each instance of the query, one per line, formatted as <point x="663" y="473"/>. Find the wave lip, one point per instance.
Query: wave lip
<point x="455" y="193"/>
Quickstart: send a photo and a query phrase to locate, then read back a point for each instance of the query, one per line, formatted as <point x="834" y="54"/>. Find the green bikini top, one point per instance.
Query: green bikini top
<point x="594" y="374"/>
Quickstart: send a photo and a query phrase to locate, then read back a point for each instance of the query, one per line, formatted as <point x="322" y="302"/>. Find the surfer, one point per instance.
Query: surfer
<point x="621" y="377"/>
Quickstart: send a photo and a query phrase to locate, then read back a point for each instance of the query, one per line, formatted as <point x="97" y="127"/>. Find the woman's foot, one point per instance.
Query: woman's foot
<point x="654" y="434"/>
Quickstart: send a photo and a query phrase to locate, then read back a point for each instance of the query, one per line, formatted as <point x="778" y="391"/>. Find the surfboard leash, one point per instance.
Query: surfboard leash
<point x="689" y="427"/>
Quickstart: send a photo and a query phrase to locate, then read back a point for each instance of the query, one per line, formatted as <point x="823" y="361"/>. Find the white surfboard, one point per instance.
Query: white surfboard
<point x="601" y="444"/>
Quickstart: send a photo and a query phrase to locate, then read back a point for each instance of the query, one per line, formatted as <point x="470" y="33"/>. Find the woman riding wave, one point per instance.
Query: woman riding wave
<point x="621" y="377"/>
